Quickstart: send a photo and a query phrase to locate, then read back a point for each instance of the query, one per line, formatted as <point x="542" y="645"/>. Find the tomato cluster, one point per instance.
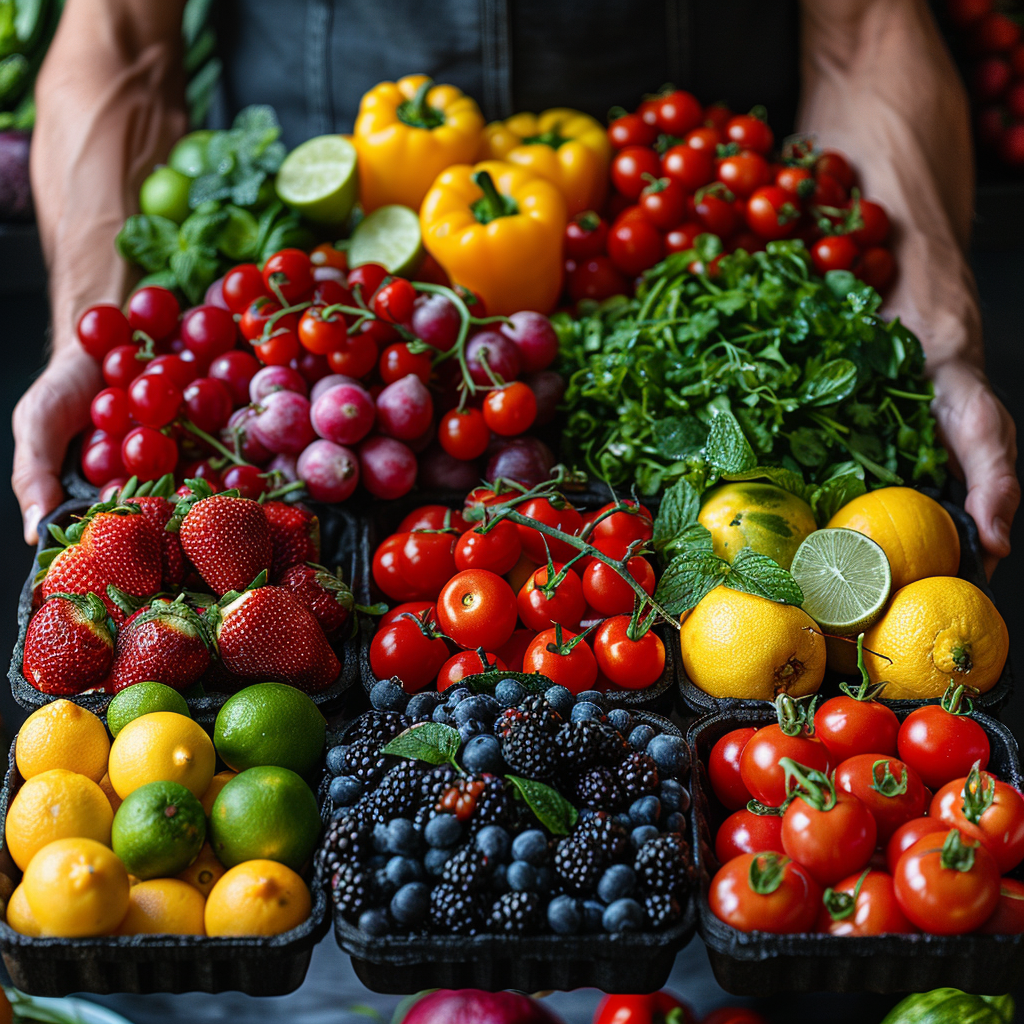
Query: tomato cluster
<point x="835" y="827"/>
<point x="479" y="595"/>
<point x="682" y="170"/>
<point x="305" y="370"/>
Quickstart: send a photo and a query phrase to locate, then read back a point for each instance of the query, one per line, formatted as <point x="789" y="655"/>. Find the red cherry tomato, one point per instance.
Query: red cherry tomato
<point x="906" y="835"/>
<point x="663" y="203"/>
<point x="386" y="572"/>
<point x="707" y="138"/>
<point x="242" y="286"/>
<point x="608" y="593"/>
<point x="724" y="768"/>
<point x="629" y="167"/>
<point x="631" y="130"/>
<point x="828" y="192"/>
<point x="433" y="517"/>
<point x="771" y="213"/>
<point x="367" y="277"/>
<point x="690" y="168"/>
<point x="866" y="906"/>
<point x="396" y="362"/>
<point x="101" y="328"/>
<point x="514" y="649"/>
<point x="635" y="246"/>
<point x="941" y="746"/>
<point x="744" y="173"/>
<point x="464" y="433"/>
<point x="558" y="514"/>
<point x="625" y="662"/>
<point x="877" y="268"/>
<point x="477" y="608"/>
<point x="466" y="663"/>
<point x="585" y="236"/>
<point x="415" y="608"/>
<point x="154" y="311"/>
<point x="677" y="112"/>
<point x="540" y="610"/>
<point x="797" y="181"/>
<point x="716" y="214"/>
<point x="427" y="562"/>
<point x="613" y="533"/>
<point x="759" y="763"/>
<point x="572" y="665"/>
<point x="848" y="726"/>
<point x="875" y="227"/>
<point x="682" y="238"/>
<point x="834" y="252"/>
<point x="837" y="166"/>
<point x="409" y="650"/>
<point x="356" y="357"/>
<point x="497" y="550"/>
<point x="765" y="892"/>
<point x="1008" y="918"/>
<point x="597" y="278"/>
<point x="511" y="409"/>
<point x="891" y="790"/>
<point x="394" y="300"/>
<point x="749" y="132"/>
<point x="321" y="335"/>
<point x="747" y="832"/>
<point x="290" y="272"/>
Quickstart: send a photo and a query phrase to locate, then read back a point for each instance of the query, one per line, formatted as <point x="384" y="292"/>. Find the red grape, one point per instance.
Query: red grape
<point x="276" y="378"/>
<point x="405" y="408"/>
<point x="329" y="471"/>
<point x="387" y="467"/>
<point x="234" y="370"/>
<point x="343" y="414"/>
<point x="282" y="422"/>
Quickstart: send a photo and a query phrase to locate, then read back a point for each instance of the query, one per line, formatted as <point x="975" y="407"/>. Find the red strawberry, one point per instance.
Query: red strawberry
<point x="295" y="534"/>
<point x="167" y="642"/>
<point x="227" y="538"/>
<point x="323" y="593"/>
<point x="155" y="500"/>
<point x="69" y="645"/>
<point x="267" y="633"/>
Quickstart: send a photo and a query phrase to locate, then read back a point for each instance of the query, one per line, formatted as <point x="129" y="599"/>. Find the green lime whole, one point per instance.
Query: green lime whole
<point x="142" y="699"/>
<point x="270" y="724"/>
<point x="189" y="154"/>
<point x="265" y="813"/>
<point x="158" y="830"/>
<point x="165" y="194"/>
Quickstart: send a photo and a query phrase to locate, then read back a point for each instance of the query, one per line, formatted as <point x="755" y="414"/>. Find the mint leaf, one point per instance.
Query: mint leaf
<point x="807" y="447"/>
<point x="688" y="579"/>
<point x="203" y="228"/>
<point x="195" y="269"/>
<point x="727" y="447"/>
<point x="762" y="576"/>
<point x="677" y="437"/>
<point x="430" y="742"/>
<point x="552" y="810"/>
<point x="485" y="682"/>
<point x="832" y="383"/>
<point x="148" y="242"/>
<point x="679" y="509"/>
<point x="787" y="479"/>
<point x="845" y="484"/>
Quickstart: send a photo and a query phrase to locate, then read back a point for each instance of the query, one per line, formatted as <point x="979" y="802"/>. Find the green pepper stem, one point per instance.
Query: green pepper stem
<point x="492" y="204"/>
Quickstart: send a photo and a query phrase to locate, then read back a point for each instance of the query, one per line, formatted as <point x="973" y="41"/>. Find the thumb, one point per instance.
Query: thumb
<point x="36" y="481"/>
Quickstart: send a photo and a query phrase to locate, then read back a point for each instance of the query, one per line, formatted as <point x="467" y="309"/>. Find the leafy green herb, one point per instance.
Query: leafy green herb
<point x="430" y="742"/>
<point x="552" y="810"/>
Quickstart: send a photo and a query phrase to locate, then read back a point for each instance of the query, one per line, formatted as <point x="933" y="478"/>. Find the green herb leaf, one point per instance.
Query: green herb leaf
<point x="679" y="437"/>
<point x="846" y="484"/>
<point x="688" y="578"/>
<point x="148" y="242"/>
<point x="195" y="269"/>
<point x="679" y="509"/>
<point x="727" y="448"/>
<point x="832" y="383"/>
<point x="552" y="810"/>
<point x="485" y="682"/>
<point x="754" y="573"/>
<point x="430" y="742"/>
<point x="788" y="479"/>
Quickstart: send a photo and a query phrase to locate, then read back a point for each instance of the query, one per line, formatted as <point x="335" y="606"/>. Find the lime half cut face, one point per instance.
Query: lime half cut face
<point x="319" y="180"/>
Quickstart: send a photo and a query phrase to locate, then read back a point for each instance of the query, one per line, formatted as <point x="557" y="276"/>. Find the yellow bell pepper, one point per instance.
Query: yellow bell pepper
<point x="567" y="147"/>
<point x="407" y="132"/>
<point x="497" y="229"/>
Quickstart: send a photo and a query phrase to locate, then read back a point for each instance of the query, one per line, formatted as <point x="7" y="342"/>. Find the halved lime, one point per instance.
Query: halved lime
<point x="845" y="578"/>
<point x="389" y="236"/>
<point x="319" y="180"/>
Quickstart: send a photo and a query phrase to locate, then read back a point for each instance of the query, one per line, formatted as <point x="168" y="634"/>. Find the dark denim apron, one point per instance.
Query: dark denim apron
<point x="313" y="59"/>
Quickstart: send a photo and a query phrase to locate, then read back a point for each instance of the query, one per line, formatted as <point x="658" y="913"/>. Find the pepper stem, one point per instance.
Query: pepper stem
<point x="492" y="204"/>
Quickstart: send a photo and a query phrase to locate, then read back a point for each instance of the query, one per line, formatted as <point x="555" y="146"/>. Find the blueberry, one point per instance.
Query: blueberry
<point x="640" y="737"/>
<point x="380" y="837"/>
<point x="457" y="695"/>
<point x="670" y="754"/>
<point x="345" y="790"/>
<point x="493" y="841"/>
<point x="508" y="693"/>
<point x="616" y="883"/>
<point x="474" y="727"/>
<point x="499" y="880"/>
<point x="561" y="699"/>
<point x="384" y="884"/>
<point x="593" y="697"/>
<point x="388" y="696"/>
<point x="421" y="707"/>
<point x="593" y="912"/>
<point x="441" y="715"/>
<point x="565" y="916"/>
<point x="624" y="915"/>
<point x="673" y="796"/>
<point x="675" y="822"/>
<point x="402" y="837"/>
<point x="545" y="879"/>
<point x="522" y="877"/>
<point x="621" y="719"/>
<point x="483" y="754"/>
<point x="645" y="811"/>
<point x="336" y="759"/>
<point x="481" y="707"/>
<point x="531" y="846"/>
<point x="378" y="861"/>
<point x="435" y="860"/>
<point x="375" y="922"/>
<point x="443" y="831"/>
<point x="402" y="870"/>
<point x="586" y="709"/>
<point x="642" y="834"/>
<point x="624" y="820"/>
<point x="410" y="904"/>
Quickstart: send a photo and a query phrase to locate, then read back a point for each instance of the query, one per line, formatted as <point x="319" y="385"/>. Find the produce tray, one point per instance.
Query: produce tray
<point x="339" y="533"/>
<point x="971" y="569"/>
<point x="381" y="519"/>
<point x="624" y="963"/>
<point x="141" y="964"/>
<point x="760" y="964"/>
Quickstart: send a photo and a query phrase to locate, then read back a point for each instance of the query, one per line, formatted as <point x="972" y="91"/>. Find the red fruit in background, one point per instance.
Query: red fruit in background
<point x="208" y="404"/>
<point x="463" y="433"/>
<point x="322" y="592"/>
<point x="772" y="213"/>
<point x="834" y="252"/>
<point x="837" y="167"/>
<point x="743" y="173"/>
<point x="681" y="239"/>
<point x="148" y="453"/>
<point x="991" y="78"/>
<point x="875" y="227"/>
<point x="677" y="112"/>
<point x="663" y="203"/>
<point x="877" y="268"/>
<point x="242" y="286"/>
<point x="367" y="278"/>
<point x="607" y="593"/>
<point x="966" y="12"/>
<point x="634" y="1009"/>
<point x="409" y="648"/>
<point x="405" y="408"/>
<point x="153" y="310"/>
<point x="749" y="132"/>
<point x="706" y="138"/>
<point x="356" y="358"/>
<point x="153" y="400"/>
<point x="294" y="535"/>
<point x="158" y="510"/>
<point x="290" y="272"/>
<point x="208" y="331"/>
<point x="634" y="246"/>
<point x="331" y="472"/>
<point x="631" y="130"/>
<point x="597" y="278"/>
<point x="396" y="361"/>
<point x="585" y="235"/>
<point x="175" y="368"/>
<point x="109" y="412"/>
<point x="629" y="167"/>
<point x="747" y="832"/>
<point x="69" y="644"/>
<point x="101" y="460"/>
<point x="724" y="768"/>
<point x="716" y="214"/>
<point x="436" y="321"/>
<point x="466" y="663"/>
<point x="994" y="33"/>
<point x="1011" y="148"/>
<point x="797" y="181"/>
<point x="689" y="167"/>
<point x="239" y="433"/>
<point x="281" y="423"/>
<point x="121" y="365"/>
<point x="249" y="481"/>
<point x="101" y="328"/>
<point x="394" y="301"/>
<point x="510" y="410"/>
<point x="235" y="369"/>
<point x="557" y="513"/>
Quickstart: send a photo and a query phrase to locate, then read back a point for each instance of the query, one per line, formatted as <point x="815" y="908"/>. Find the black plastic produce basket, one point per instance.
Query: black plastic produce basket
<point x="382" y="519"/>
<point x="759" y="964"/>
<point x="141" y="964"/>
<point x="971" y="569"/>
<point x="339" y="532"/>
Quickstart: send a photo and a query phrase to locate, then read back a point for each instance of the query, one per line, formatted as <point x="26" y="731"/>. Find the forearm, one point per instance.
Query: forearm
<point x="110" y="105"/>
<point x="879" y="85"/>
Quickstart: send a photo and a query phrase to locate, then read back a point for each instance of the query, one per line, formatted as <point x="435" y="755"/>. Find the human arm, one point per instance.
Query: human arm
<point x="879" y="85"/>
<point x="110" y="104"/>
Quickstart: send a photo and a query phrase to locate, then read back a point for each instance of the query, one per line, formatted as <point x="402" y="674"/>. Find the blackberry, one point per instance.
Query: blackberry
<point x="599" y="788"/>
<point x="354" y="889"/>
<point x="604" y="830"/>
<point x="587" y="744"/>
<point x="638" y="775"/>
<point x="434" y="782"/>
<point x="349" y="838"/>
<point x="455" y="910"/>
<point x="516" y="913"/>
<point x="663" y="865"/>
<point x="398" y="794"/>
<point x="364" y="761"/>
<point x="662" y="909"/>
<point x="379" y="726"/>
<point x="528" y="750"/>
<point x="468" y="869"/>
<point x="495" y="804"/>
<point x="580" y="862"/>
<point x="535" y="709"/>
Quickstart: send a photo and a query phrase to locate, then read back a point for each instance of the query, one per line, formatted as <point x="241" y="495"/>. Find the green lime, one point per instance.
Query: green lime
<point x="270" y="724"/>
<point x="140" y="699"/>
<point x="158" y="830"/>
<point x="237" y="239"/>
<point x="319" y="180"/>
<point x="845" y="578"/>
<point x="165" y="194"/>
<point x="265" y="813"/>
<point x="189" y="153"/>
<point x="389" y="236"/>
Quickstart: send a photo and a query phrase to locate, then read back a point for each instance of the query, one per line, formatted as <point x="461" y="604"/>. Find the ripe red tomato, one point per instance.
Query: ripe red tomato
<point x="540" y="610"/>
<point x="608" y="593"/>
<point x="877" y="268"/>
<point x="416" y="608"/>
<point x="396" y="362"/>
<point x="724" y="768"/>
<point x="290" y="272"/>
<point x="772" y="213"/>
<point x="510" y="409"/>
<point x="835" y="164"/>
<point x="834" y="252"/>
<point x="466" y="663"/>
<point x="629" y="167"/>
<point x="356" y="357"/>
<point x="749" y="132"/>
<point x="631" y="130"/>
<point x="707" y="138"/>
<point x="409" y="650"/>
<point x="572" y="665"/>
<point x="394" y="300"/>
<point x="866" y="906"/>
<point x="426" y="562"/>
<point x="433" y="517"/>
<point x="464" y="433"/>
<point x="690" y="168"/>
<point x="848" y="727"/>
<point x="367" y="277"/>
<point x="765" y="892"/>
<point x="995" y="33"/>
<point x="677" y="112"/>
<point x="614" y="533"/>
<point x="512" y="652"/>
<point x="1008" y="918"/>
<point x="797" y="181"/>
<point x="987" y="809"/>
<point x="635" y="246"/>
<point x="682" y="238"/>
<point x="906" y="835"/>
<point x="386" y="572"/>
<point x="557" y="513"/>
<point x="716" y="214"/>
<point x="759" y="762"/>
<point x="744" y="173"/>
<point x="597" y="278"/>
<point x="319" y="335"/>
<point x="625" y="662"/>
<point x="747" y="832"/>
<point x="585" y="235"/>
<point x="947" y="885"/>
<point x="497" y="550"/>
<point x="941" y="746"/>
<point x="242" y="286"/>
<point x="477" y="608"/>
<point x="891" y="790"/>
<point x="875" y="229"/>
<point x="663" y="202"/>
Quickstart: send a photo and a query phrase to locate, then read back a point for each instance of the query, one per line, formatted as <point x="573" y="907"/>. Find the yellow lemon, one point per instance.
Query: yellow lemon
<point x="108" y="792"/>
<point x="257" y="897"/>
<point x="747" y="647"/>
<point x="916" y="533"/>
<point x="57" y="804"/>
<point x="20" y="916"/>
<point x="164" y="906"/>
<point x="62" y="735"/>
<point x="762" y="517"/>
<point x="161" y="747"/>
<point x="938" y="630"/>
<point x="204" y="872"/>
<point x="76" y="888"/>
<point x="217" y="783"/>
